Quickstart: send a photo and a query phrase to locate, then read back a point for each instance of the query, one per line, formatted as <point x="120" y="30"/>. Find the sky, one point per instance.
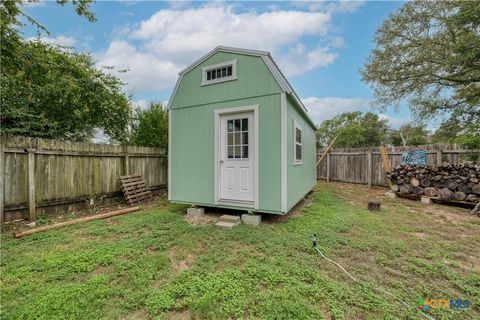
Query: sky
<point x="320" y="46"/>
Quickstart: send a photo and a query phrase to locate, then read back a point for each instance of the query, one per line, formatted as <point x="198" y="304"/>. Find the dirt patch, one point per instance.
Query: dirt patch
<point x="136" y="315"/>
<point x="359" y="195"/>
<point x="179" y="315"/>
<point x="101" y="269"/>
<point x="420" y="235"/>
<point x="296" y="211"/>
<point x="180" y="263"/>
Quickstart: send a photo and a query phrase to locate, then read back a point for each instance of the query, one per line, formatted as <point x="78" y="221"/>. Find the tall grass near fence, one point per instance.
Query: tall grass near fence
<point x="47" y="175"/>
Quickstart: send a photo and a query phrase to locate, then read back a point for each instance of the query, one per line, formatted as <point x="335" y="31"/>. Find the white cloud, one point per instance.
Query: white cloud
<point x="321" y="109"/>
<point x="300" y="60"/>
<point x="342" y="6"/>
<point x="142" y="104"/>
<point x="159" y="47"/>
<point x="65" y="41"/>
<point x="145" y="70"/>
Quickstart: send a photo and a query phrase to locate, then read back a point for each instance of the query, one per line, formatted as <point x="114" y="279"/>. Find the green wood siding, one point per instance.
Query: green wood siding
<point x="300" y="178"/>
<point x="193" y="148"/>
<point x="253" y="79"/>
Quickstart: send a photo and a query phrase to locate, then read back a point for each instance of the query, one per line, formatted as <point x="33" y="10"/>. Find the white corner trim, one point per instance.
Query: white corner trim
<point x="169" y="165"/>
<point x="276" y="74"/>
<point x="283" y="152"/>
<point x="225" y="111"/>
<point x="232" y="63"/>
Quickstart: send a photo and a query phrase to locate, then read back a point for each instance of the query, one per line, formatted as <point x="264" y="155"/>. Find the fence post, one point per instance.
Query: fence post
<point x="31" y="184"/>
<point x="439" y="157"/>
<point x="369" y="168"/>
<point x="126" y="161"/>
<point x="328" y="166"/>
<point x="2" y="181"/>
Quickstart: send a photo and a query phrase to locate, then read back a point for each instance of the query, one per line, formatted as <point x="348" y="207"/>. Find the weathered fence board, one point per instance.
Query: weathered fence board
<point x="69" y="172"/>
<point x="353" y="164"/>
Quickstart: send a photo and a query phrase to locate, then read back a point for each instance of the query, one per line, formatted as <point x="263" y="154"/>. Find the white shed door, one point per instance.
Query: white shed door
<point x="236" y="157"/>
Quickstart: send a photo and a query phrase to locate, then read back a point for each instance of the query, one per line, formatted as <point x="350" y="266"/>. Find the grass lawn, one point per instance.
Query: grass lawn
<point x="154" y="264"/>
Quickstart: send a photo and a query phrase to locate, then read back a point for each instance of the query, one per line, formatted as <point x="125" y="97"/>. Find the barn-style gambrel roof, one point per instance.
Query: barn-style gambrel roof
<point x="266" y="57"/>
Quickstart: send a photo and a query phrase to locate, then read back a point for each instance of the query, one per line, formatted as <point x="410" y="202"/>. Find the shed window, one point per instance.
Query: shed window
<point x="219" y="73"/>
<point x="237" y="139"/>
<point x="297" y="135"/>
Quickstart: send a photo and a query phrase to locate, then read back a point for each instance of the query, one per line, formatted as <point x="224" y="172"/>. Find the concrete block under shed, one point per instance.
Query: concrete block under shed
<point x="426" y="200"/>
<point x="195" y="212"/>
<point x="252" y="219"/>
<point x="391" y="195"/>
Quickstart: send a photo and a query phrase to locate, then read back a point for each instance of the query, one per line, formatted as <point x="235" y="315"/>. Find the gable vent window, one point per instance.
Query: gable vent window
<point x="221" y="72"/>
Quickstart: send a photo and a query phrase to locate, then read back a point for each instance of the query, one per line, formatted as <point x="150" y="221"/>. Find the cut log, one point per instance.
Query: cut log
<point x="430" y="191"/>
<point x="395" y="187"/>
<point x="476" y="210"/>
<point x="415" y="182"/>
<point x="406" y="188"/>
<point x="425" y="183"/>
<point x="458" y="195"/>
<point x="444" y="193"/>
<point x="85" y="219"/>
<point x="472" y="198"/>
<point x="463" y="187"/>
<point x="418" y="191"/>
<point x="476" y="188"/>
<point x="451" y="184"/>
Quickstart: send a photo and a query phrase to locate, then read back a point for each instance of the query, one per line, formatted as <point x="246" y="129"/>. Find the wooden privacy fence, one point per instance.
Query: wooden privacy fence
<point x="39" y="175"/>
<point x="365" y="166"/>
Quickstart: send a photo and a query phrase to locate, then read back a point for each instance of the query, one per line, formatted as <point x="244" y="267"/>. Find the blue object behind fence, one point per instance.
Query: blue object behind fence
<point x="414" y="157"/>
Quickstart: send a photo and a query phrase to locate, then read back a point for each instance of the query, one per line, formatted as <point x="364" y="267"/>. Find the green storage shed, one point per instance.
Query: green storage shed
<point x="239" y="136"/>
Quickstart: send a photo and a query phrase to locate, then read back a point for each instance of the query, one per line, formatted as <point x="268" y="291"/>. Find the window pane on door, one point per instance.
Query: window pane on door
<point x="244" y="124"/>
<point x="237" y="138"/>
<point x="245" y="138"/>
<point x="245" y="152"/>
<point x="237" y="125"/>
<point x="238" y="152"/>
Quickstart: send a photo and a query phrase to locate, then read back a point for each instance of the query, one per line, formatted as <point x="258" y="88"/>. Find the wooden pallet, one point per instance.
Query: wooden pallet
<point x="135" y="189"/>
<point x="436" y="199"/>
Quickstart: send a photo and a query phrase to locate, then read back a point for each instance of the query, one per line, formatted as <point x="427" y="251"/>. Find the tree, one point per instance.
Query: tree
<point x="150" y="128"/>
<point x="428" y="53"/>
<point x="50" y="92"/>
<point x="409" y="135"/>
<point x="451" y="132"/>
<point x="354" y="130"/>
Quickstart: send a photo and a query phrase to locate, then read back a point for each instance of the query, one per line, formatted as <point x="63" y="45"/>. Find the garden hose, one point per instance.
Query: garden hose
<point x="356" y="280"/>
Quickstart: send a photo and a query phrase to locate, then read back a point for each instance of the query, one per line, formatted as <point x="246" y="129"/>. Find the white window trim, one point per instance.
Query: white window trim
<point x="295" y="126"/>
<point x="233" y="63"/>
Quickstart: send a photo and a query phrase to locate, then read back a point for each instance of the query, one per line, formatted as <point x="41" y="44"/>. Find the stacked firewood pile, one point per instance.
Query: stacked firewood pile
<point x="452" y="181"/>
